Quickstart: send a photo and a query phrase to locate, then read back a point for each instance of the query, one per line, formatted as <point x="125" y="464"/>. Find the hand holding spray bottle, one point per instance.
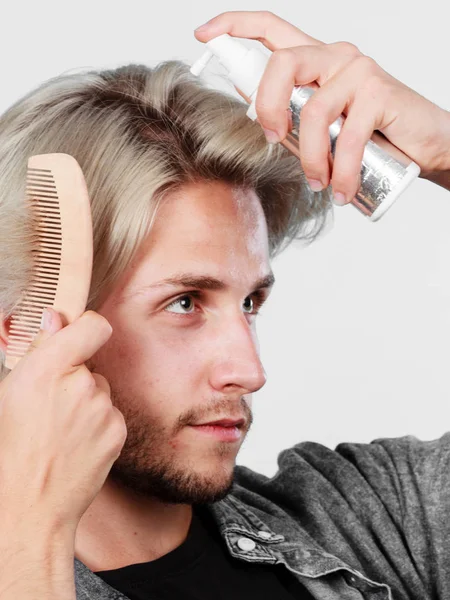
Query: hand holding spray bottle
<point x="385" y="172"/>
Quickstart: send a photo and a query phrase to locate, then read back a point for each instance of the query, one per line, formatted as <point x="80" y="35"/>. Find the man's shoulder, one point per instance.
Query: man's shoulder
<point x="360" y="476"/>
<point x="308" y="458"/>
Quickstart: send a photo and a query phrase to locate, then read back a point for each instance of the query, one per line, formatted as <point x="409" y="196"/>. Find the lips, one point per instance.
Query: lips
<point x="225" y="423"/>
<point x="223" y="430"/>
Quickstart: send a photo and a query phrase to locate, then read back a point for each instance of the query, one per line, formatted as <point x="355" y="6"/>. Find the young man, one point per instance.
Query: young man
<point x="119" y="432"/>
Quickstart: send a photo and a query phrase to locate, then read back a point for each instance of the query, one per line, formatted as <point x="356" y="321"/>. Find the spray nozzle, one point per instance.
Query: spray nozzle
<point x="201" y="63"/>
<point x="245" y="66"/>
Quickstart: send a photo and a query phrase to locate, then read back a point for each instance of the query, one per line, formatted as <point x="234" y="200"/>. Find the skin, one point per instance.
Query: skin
<point x="196" y="362"/>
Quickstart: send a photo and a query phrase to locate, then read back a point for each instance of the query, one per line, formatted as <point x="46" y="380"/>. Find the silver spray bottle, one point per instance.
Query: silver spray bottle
<point x="385" y="172"/>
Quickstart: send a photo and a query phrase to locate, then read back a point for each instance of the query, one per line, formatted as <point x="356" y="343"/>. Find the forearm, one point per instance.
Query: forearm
<point x="37" y="569"/>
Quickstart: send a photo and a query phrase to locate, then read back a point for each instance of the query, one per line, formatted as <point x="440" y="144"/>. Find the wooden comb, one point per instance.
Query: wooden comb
<point x="62" y="267"/>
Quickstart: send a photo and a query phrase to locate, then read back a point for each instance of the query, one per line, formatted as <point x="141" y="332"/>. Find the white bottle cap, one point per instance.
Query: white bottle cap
<point x="245" y="66"/>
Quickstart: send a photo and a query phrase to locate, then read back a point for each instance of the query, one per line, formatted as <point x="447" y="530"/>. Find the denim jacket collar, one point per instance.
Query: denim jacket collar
<point x="279" y="539"/>
<point x="254" y="536"/>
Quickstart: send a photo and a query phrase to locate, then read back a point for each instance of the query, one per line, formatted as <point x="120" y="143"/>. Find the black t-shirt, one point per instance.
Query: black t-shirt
<point x="203" y="569"/>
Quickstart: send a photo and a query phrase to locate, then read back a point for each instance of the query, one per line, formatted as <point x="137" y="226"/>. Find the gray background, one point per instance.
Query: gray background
<point x="355" y="336"/>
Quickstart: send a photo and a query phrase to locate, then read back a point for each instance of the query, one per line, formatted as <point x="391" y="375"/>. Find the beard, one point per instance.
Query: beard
<point x="149" y="466"/>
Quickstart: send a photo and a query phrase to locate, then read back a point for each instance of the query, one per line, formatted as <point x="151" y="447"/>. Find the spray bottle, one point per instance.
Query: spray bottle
<point x="386" y="171"/>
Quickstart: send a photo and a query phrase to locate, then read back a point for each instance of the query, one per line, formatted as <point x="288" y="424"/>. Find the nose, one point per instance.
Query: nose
<point x="235" y="360"/>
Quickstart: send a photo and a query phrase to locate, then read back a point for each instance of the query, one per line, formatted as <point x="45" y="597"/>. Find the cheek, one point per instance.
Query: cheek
<point x="149" y="359"/>
<point x="182" y="348"/>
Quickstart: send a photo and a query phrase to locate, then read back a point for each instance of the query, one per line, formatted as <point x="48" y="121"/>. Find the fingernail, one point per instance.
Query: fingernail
<point x="203" y="27"/>
<point x="339" y="198"/>
<point x="46" y="320"/>
<point x="315" y="185"/>
<point x="271" y="136"/>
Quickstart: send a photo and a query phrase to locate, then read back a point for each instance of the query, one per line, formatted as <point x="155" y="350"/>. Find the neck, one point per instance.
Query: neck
<point x="120" y="529"/>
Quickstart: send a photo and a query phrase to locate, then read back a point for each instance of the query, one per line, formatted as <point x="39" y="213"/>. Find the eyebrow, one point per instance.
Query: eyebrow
<point x="203" y="282"/>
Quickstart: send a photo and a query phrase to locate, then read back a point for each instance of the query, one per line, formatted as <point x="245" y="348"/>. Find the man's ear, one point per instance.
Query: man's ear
<point x="4" y="331"/>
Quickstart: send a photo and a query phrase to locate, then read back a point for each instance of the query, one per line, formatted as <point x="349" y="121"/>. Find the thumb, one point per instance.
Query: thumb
<point x="51" y="323"/>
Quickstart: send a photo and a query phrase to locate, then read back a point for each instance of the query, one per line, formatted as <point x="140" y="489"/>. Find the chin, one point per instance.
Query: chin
<point x="177" y="483"/>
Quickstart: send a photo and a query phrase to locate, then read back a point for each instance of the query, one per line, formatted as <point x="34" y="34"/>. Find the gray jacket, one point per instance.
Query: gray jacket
<point x="364" y="521"/>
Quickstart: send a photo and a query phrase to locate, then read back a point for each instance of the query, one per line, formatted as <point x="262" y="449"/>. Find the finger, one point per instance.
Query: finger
<point x="296" y="66"/>
<point x="321" y="110"/>
<point x="53" y="324"/>
<point x="121" y="430"/>
<point x="80" y="340"/>
<point x="358" y="128"/>
<point x="102" y="383"/>
<point x="271" y="30"/>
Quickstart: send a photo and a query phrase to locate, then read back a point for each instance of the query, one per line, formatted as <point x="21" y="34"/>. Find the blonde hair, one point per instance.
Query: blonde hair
<point x="137" y="134"/>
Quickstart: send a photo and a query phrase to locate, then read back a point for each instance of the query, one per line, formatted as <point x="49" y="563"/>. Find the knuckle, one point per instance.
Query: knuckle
<point x="350" y="140"/>
<point x="347" y="48"/>
<point x="283" y="58"/>
<point x="314" y="109"/>
<point x="100" y="408"/>
<point x="119" y="425"/>
<point x="367" y="66"/>
<point x="101" y="382"/>
<point x="104" y="401"/>
<point x="267" y="16"/>
<point x="85" y="383"/>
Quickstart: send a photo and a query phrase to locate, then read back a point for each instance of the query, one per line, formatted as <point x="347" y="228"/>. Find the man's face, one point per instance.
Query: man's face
<point x="184" y="353"/>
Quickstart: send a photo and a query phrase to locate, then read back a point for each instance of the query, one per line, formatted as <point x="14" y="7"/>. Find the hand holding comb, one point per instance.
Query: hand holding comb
<point x="60" y="433"/>
<point x="62" y="267"/>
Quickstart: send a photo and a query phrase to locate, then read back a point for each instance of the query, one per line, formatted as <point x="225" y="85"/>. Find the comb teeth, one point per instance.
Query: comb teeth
<point x="42" y="195"/>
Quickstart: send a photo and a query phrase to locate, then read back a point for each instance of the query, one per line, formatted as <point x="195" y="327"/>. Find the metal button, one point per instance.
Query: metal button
<point x="264" y="535"/>
<point x="246" y="545"/>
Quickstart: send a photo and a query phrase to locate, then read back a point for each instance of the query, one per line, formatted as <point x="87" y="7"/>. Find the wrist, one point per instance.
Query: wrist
<point x="37" y="565"/>
<point x="439" y="172"/>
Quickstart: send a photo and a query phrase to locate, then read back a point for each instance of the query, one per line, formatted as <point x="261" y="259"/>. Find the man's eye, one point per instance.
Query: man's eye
<point x="253" y="303"/>
<point x="248" y="305"/>
<point x="185" y="303"/>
